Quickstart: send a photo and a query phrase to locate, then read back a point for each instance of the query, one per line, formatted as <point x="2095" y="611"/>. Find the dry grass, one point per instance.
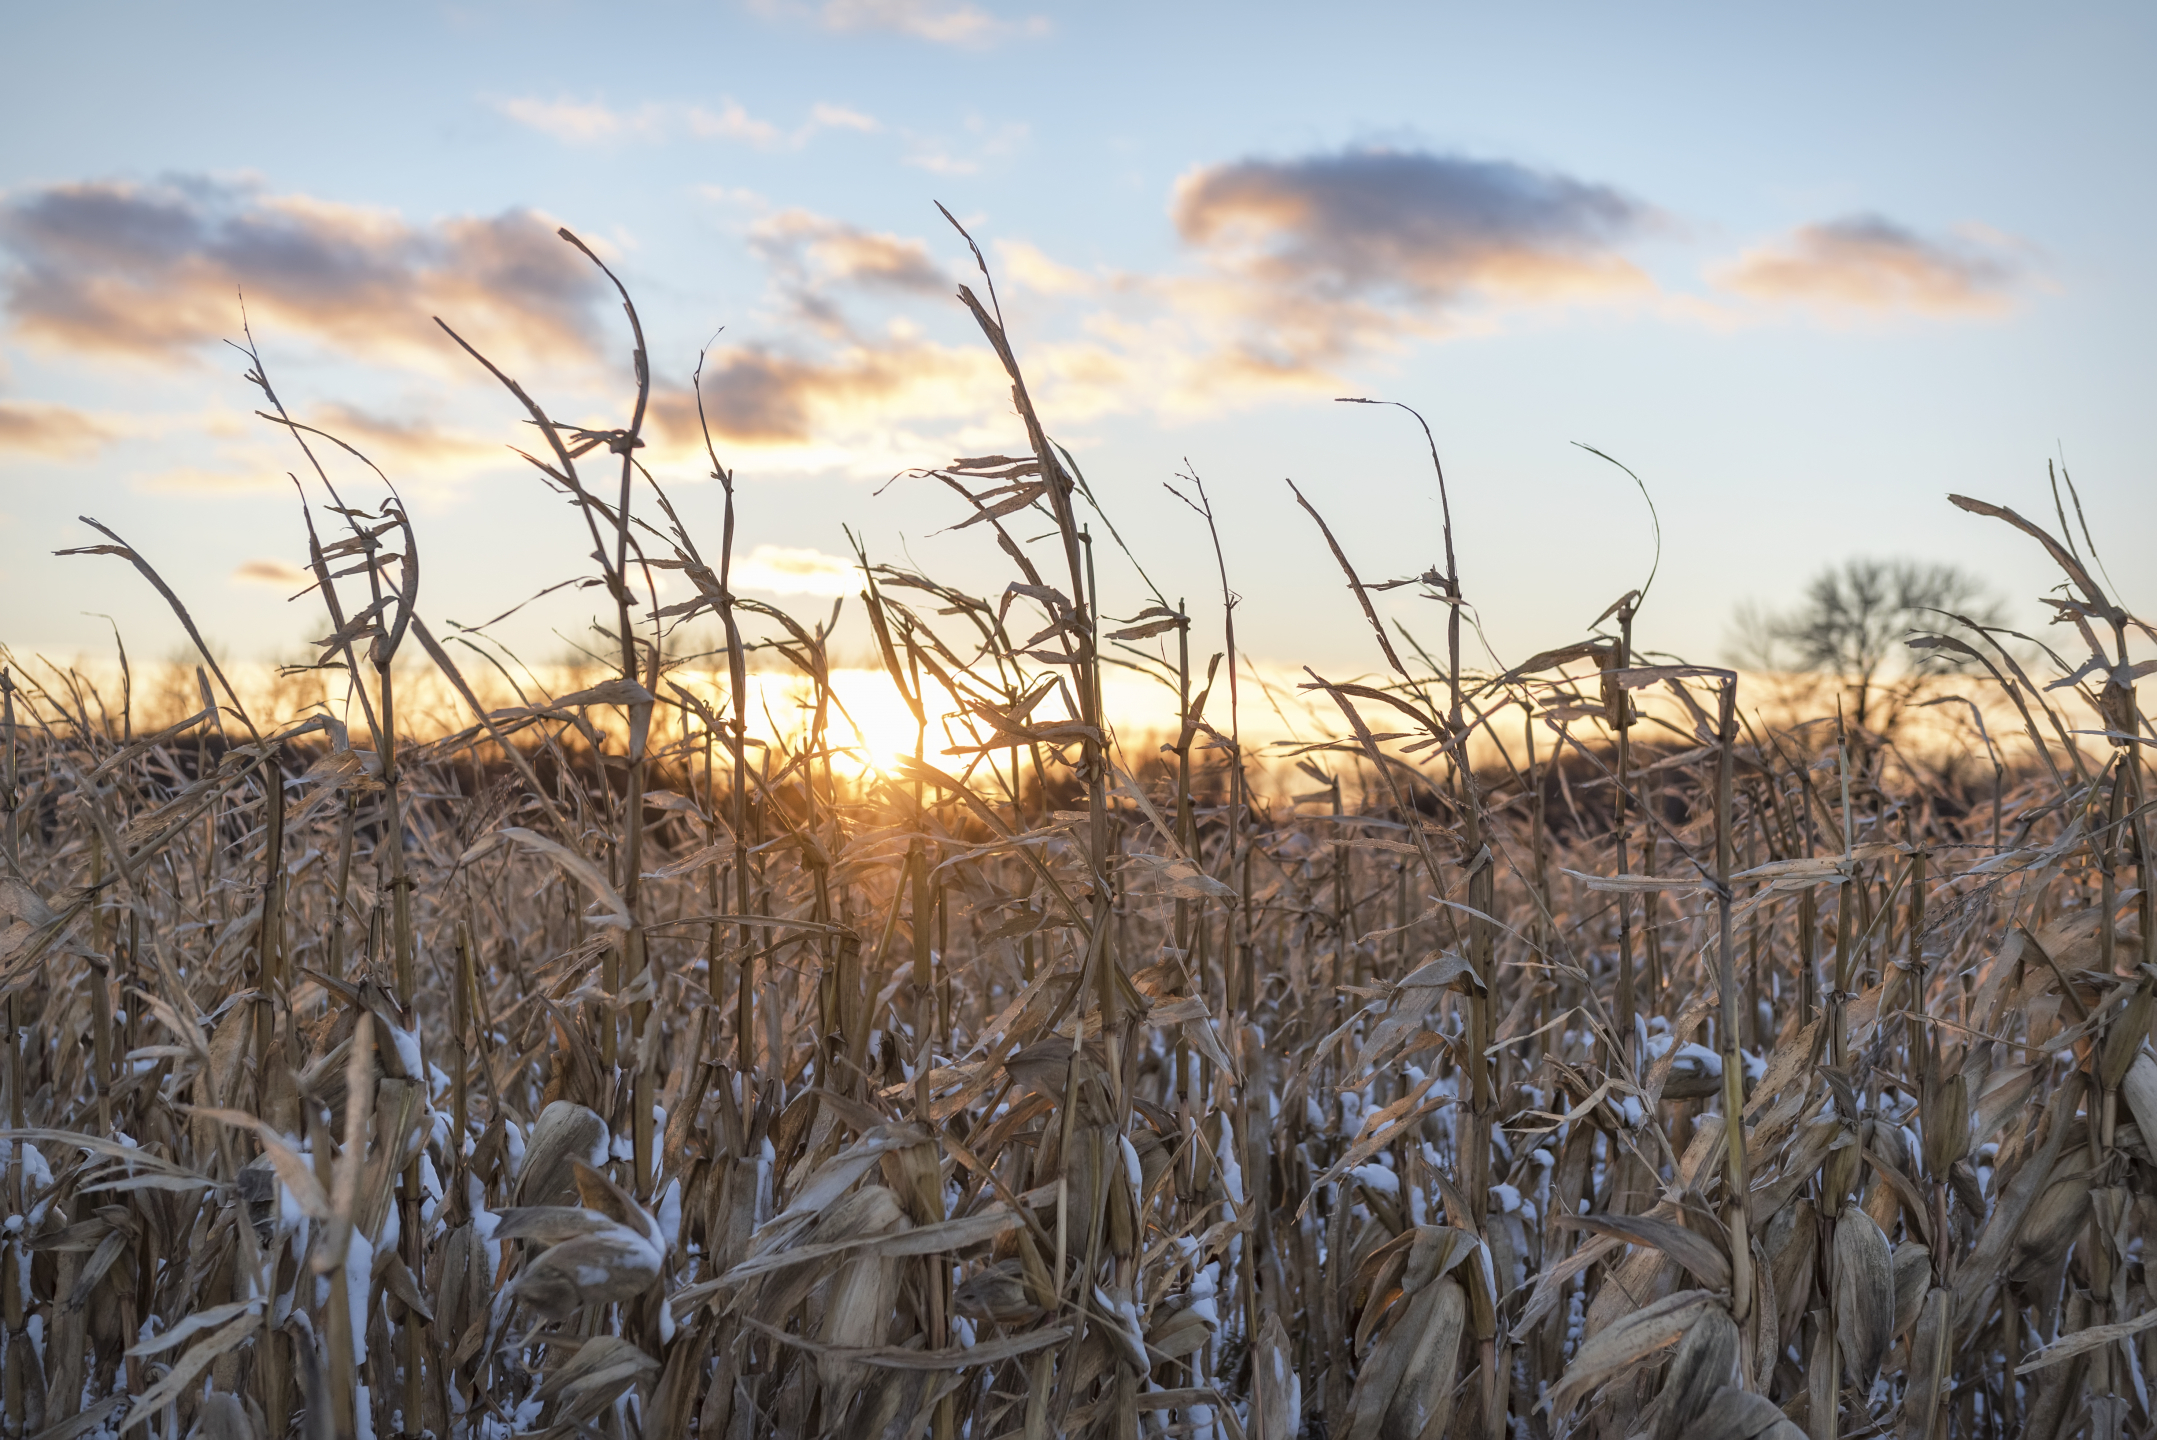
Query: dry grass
<point x="618" y="1065"/>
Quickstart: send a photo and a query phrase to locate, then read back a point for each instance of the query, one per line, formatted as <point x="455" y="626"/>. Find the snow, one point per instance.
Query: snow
<point x="35" y="1170"/>
<point x="407" y="1043"/>
<point x="1231" y="1168"/>
<point x="670" y="1213"/>
<point x="1378" y="1178"/>
<point x="1700" y="1056"/>
<point x="1205" y="1286"/>
<point x="484" y="1222"/>
<point x="1506" y="1198"/>
<point x="359" y="1277"/>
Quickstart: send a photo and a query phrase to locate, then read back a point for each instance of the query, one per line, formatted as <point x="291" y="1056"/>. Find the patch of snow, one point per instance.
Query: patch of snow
<point x="34" y="1168"/>
<point x="359" y="1275"/>
<point x="1378" y="1178"/>
<point x="407" y="1043"/>
<point x="1231" y="1166"/>
<point x="1700" y="1056"/>
<point x="670" y="1213"/>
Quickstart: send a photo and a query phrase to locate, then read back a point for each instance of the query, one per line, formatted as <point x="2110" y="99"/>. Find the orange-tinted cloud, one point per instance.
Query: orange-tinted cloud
<point x="761" y="397"/>
<point x="154" y="271"/>
<point x="407" y="446"/>
<point x="58" y="431"/>
<point x="1329" y="254"/>
<point x="1866" y="262"/>
<point x="282" y="574"/>
<point x="802" y="247"/>
<point x="809" y="256"/>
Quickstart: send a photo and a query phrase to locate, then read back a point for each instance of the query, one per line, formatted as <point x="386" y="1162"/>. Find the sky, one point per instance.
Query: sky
<point x="1803" y="270"/>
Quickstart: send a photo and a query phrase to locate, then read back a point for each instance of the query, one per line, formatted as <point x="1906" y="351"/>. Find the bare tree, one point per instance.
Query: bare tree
<point x="1853" y="619"/>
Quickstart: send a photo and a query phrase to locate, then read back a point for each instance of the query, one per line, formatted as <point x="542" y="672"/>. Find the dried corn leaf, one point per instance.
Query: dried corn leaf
<point x="1735" y="1414"/>
<point x="1627" y="1343"/>
<point x="1703" y="1367"/>
<point x="1864" y="1280"/>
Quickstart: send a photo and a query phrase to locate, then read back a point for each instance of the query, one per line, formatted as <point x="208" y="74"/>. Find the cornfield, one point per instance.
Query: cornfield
<point x="618" y="1062"/>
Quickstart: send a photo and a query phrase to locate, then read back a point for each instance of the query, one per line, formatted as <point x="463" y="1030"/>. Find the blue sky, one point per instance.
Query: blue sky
<point x="1804" y="270"/>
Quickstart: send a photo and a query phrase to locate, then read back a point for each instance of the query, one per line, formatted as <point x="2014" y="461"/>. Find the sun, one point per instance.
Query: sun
<point x="882" y="728"/>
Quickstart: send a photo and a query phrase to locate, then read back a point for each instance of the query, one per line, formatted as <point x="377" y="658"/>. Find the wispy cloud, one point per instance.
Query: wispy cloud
<point x="154" y="271"/>
<point x="1870" y="263"/>
<point x="593" y="122"/>
<point x="941" y="22"/>
<point x="56" y="431"/>
<point x="809" y="256"/>
<point x="281" y="574"/>
<point x="985" y="143"/>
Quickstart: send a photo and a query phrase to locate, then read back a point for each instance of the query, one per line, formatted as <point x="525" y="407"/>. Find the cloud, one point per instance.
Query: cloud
<point x="811" y="258"/>
<point x="990" y="142"/>
<point x="58" y="431"/>
<point x="810" y="254"/>
<point x="1033" y="268"/>
<point x="940" y="22"/>
<point x="153" y="271"/>
<point x="593" y="122"/>
<point x="282" y="574"/>
<point x="761" y="397"/>
<point x="1867" y="262"/>
<point x="1333" y="253"/>
<point x="838" y="117"/>
<point x="583" y="121"/>
<point x="784" y="570"/>
<point x="418" y="447"/>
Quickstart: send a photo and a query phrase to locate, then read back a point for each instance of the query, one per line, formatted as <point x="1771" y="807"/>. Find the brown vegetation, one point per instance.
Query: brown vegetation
<point x="612" y="1066"/>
